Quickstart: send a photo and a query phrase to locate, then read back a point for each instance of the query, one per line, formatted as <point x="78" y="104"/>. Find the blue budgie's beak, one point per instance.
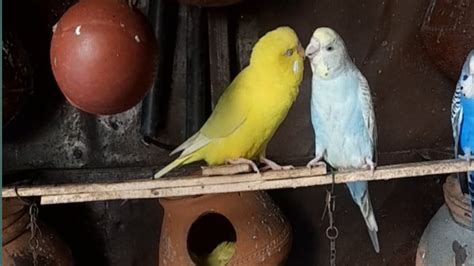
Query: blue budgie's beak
<point x="301" y="50"/>
<point x="313" y="48"/>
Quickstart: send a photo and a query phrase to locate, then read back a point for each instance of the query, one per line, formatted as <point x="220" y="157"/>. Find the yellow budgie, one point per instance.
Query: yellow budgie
<point x="251" y="108"/>
<point x="220" y="256"/>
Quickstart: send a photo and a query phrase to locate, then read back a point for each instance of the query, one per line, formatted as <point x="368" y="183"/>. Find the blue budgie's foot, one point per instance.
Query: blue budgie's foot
<point x="468" y="156"/>
<point x="317" y="161"/>
<point x="369" y="164"/>
<point x="244" y="161"/>
<point x="269" y="164"/>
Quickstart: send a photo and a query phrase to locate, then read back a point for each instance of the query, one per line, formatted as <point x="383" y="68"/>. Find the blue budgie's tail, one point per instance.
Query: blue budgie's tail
<point x="360" y="195"/>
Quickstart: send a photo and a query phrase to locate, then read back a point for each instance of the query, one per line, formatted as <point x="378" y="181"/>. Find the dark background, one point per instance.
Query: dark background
<point x="412" y="101"/>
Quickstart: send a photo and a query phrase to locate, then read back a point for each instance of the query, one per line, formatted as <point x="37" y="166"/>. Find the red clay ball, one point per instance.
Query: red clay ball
<point x="103" y="55"/>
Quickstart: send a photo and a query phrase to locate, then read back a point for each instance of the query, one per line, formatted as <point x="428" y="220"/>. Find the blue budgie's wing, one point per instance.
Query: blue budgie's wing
<point x="456" y="118"/>
<point x="360" y="194"/>
<point x="368" y="112"/>
<point x="317" y="123"/>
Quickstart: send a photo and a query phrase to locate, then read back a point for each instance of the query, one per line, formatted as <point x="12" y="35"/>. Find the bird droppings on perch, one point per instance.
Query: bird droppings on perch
<point x="197" y="185"/>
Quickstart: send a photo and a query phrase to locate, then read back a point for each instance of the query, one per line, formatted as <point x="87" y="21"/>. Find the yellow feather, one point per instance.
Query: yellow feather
<point x="252" y="107"/>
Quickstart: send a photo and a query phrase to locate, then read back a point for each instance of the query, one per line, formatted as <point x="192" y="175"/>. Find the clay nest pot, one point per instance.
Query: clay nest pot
<point x="458" y="203"/>
<point x="193" y="226"/>
<point x="16" y="249"/>
<point x="448" y="34"/>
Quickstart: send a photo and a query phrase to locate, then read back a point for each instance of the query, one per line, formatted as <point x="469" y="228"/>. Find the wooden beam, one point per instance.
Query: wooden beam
<point x="219" y="62"/>
<point x="143" y="184"/>
<point x="196" y="185"/>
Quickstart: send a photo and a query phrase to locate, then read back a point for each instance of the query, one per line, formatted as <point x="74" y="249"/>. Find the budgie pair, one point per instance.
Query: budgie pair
<point x="256" y="102"/>
<point x="462" y="118"/>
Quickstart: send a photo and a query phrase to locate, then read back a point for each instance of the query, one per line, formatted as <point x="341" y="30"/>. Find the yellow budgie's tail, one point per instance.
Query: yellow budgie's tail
<point x="178" y="162"/>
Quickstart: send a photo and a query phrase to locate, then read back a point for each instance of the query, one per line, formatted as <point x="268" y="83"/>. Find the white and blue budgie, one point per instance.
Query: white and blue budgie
<point x="462" y="118"/>
<point x="343" y="117"/>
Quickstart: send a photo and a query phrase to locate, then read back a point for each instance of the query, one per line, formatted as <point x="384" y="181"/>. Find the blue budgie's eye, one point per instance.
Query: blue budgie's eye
<point x="329" y="48"/>
<point x="464" y="77"/>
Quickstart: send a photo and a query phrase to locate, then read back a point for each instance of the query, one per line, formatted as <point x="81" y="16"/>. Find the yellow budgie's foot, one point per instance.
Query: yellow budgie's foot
<point x="244" y="161"/>
<point x="269" y="164"/>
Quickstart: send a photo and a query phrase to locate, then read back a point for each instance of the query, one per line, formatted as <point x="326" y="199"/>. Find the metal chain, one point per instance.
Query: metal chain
<point x="331" y="231"/>
<point x="35" y="231"/>
<point x="33" y="242"/>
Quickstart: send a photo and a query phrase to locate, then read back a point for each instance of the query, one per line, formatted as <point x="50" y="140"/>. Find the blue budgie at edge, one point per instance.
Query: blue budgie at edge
<point x="342" y="116"/>
<point x="462" y="118"/>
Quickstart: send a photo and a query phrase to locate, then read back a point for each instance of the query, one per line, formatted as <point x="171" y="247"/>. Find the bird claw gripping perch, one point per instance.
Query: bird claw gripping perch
<point x="317" y="161"/>
<point x="271" y="165"/>
<point x="244" y="161"/>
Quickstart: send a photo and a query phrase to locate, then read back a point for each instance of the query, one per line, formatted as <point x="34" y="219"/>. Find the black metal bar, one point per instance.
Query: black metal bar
<point x="196" y="69"/>
<point x="163" y="15"/>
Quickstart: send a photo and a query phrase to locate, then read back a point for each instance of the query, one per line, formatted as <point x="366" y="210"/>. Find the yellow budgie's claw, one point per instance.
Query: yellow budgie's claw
<point x="271" y="165"/>
<point x="244" y="161"/>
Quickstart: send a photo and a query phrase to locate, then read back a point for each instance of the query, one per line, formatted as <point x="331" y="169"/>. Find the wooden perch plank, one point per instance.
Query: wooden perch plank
<point x="226" y="170"/>
<point x="300" y="177"/>
<point x="185" y="181"/>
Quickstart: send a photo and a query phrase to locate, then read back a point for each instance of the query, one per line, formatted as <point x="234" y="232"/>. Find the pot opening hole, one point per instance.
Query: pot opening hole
<point x="208" y="231"/>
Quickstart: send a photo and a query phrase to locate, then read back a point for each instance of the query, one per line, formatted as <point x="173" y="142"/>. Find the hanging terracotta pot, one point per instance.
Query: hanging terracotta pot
<point x="196" y="225"/>
<point x="209" y="3"/>
<point x="104" y="56"/>
<point x="448" y="34"/>
<point x="448" y="239"/>
<point x="16" y="235"/>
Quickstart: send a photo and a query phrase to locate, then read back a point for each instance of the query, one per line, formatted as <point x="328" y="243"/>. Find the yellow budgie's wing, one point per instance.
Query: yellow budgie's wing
<point x="231" y="109"/>
<point x="230" y="113"/>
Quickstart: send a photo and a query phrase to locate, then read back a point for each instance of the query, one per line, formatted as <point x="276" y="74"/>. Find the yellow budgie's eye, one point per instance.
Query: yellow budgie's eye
<point x="289" y="52"/>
